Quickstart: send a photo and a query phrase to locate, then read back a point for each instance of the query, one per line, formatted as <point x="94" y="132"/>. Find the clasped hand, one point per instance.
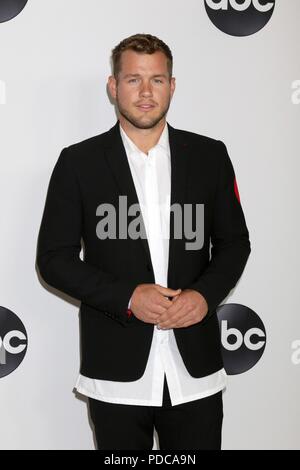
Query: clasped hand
<point x="168" y="308"/>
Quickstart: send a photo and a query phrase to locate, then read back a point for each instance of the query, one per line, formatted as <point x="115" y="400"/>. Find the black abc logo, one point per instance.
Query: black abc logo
<point x="243" y="337"/>
<point x="13" y="342"/>
<point x="10" y="8"/>
<point x="240" y="17"/>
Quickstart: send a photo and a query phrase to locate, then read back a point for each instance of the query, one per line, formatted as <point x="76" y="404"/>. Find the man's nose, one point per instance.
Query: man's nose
<point x="146" y="88"/>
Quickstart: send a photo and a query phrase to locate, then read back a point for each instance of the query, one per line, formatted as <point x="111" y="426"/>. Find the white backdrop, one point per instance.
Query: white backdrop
<point x="54" y="62"/>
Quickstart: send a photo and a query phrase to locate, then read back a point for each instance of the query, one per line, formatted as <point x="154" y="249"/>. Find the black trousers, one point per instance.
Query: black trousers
<point x="193" y="425"/>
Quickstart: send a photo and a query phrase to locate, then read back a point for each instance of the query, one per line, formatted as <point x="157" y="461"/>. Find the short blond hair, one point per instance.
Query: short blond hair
<point x="143" y="43"/>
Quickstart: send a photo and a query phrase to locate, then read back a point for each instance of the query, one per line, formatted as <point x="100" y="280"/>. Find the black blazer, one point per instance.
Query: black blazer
<point x="95" y="171"/>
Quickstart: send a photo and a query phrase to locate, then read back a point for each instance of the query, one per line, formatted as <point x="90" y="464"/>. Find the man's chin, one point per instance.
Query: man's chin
<point x="144" y="122"/>
<point x="145" y="125"/>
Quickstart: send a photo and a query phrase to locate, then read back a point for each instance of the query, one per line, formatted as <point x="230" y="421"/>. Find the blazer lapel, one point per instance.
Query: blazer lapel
<point x="117" y="160"/>
<point x="179" y="157"/>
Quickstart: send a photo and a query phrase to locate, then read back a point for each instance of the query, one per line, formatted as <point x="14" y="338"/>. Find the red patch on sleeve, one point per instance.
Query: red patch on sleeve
<point x="236" y="191"/>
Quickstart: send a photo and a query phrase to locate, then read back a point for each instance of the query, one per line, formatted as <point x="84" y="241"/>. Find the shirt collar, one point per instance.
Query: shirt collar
<point x="131" y="147"/>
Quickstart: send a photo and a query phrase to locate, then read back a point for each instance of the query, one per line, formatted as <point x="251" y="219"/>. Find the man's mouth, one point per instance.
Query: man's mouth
<point x="145" y="107"/>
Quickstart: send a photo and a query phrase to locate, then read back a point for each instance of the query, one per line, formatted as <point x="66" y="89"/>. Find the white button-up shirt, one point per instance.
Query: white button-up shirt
<point x="152" y="179"/>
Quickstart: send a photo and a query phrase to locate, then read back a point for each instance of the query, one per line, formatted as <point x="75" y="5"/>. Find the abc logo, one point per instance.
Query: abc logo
<point x="13" y="342"/>
<point x="10" y="8"/>
<point x="243" y="337"/>
<point x="240" y="17"/>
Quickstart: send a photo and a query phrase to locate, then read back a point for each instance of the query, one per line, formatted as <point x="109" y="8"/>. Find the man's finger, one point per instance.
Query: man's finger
<point x="166" y="291"/>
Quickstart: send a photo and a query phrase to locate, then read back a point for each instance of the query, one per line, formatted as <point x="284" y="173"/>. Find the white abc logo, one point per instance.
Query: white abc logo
<point x="226" y="332"/>
<point x="6" y="342"/>
<point x="223" y="5"/>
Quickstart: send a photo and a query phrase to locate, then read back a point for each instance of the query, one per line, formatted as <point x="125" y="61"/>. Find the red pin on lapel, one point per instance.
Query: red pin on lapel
<point x="236" y="191"/>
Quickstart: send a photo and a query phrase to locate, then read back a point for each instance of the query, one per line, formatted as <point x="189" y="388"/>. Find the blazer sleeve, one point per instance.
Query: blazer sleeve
<point x="230" y="245"/>
<point x="59" y="245"/>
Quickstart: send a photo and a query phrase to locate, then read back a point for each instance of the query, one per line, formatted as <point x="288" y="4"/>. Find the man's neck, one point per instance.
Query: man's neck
<point x="144" y="139"/>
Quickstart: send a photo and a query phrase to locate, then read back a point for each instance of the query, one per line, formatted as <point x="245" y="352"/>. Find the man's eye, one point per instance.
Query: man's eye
<point x="132" y="80"/>
<point x="158" y="80"/>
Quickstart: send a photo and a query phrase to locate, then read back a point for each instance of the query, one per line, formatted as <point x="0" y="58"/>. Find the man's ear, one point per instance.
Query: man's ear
<point x="112" y="86"/>
<point x="173" y="85"/>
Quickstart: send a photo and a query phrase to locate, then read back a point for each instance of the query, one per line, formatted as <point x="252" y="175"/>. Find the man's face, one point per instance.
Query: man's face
<point x="143" y="89"/>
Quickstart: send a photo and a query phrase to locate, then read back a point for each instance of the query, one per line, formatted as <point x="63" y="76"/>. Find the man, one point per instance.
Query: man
<point x="151" y="356"/>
